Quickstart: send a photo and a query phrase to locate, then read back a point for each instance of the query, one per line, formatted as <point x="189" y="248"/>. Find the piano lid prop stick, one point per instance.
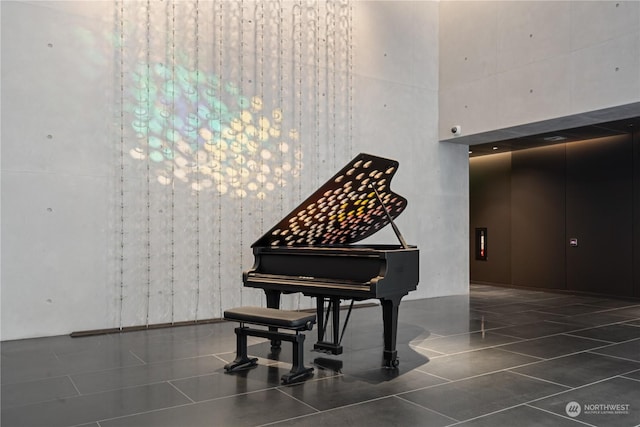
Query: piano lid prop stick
<point x="393" y="224"/>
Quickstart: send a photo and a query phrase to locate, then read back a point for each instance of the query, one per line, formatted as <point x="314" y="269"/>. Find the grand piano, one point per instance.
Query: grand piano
<point x="312" y="251"/>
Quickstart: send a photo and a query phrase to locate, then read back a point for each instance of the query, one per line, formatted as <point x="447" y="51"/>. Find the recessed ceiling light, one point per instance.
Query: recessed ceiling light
<point x="555" y="138"/>
<point x="495" y="147"/>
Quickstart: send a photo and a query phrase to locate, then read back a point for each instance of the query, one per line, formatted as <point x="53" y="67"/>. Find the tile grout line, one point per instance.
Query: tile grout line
<point x="181" y="405"/>
<point x="323" y="411"/>
<point x="572" y="389"/>
<point x="568" y="387"/>
<point x="629" y="378"/>
<point x="559" y="415"/>
<point x="426" y="408"/>
<point x="74" y="385"/>
<point x="180" y="391"/>
<point x="138" y="357"/>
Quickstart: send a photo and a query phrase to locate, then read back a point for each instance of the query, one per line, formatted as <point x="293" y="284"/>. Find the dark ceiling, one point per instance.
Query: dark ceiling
<point x="618" y="127"/>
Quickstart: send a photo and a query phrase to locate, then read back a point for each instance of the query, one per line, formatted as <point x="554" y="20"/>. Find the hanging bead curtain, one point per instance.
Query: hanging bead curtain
<point x="229" y="114"/>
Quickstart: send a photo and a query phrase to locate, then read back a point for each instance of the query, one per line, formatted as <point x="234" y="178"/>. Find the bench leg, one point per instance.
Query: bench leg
<point x="298" y="371"/>
<point x="242" y="360"/>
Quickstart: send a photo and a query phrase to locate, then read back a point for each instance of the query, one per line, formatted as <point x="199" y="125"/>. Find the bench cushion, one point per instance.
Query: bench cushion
<point x="271" y="317"/>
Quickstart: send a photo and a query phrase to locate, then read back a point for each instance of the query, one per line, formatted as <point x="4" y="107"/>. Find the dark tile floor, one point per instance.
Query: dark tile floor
<point x="498" y="357"/>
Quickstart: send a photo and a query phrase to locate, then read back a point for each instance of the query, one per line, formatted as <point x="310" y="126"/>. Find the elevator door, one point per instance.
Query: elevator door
<point x="599" y="220"/>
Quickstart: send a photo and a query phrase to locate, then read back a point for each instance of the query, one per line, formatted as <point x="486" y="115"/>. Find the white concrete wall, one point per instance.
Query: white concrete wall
<point x="509" y="63"/>
<point x="397" y="93"/>
<point x="61" y="191"/>
<point x="57" y="183"/>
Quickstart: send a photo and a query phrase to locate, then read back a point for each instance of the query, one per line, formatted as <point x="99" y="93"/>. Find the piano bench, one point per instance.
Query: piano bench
<point x="272" y="318"/>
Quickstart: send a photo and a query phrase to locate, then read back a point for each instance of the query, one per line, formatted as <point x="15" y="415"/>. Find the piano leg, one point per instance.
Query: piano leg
<point x="273" y="298"/>
<point x="390" y="308"/>
<point x="273" y="301"/>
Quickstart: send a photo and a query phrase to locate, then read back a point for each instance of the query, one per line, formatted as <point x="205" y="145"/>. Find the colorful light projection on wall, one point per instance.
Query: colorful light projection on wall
<point x="195" y="129"/>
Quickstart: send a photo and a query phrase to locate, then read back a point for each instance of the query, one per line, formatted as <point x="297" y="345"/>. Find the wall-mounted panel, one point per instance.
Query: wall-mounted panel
<point x="537" y="217"/>
<point x="599" y="215"/>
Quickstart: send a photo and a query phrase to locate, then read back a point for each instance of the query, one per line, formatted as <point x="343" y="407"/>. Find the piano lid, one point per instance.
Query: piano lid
<point x="344" y="210"/>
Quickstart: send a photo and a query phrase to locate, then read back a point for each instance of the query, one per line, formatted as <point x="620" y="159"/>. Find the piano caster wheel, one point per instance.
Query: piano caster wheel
<point x="391" y="364"/>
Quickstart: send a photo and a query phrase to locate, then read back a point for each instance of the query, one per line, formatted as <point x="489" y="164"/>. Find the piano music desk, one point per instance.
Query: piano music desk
<point x="295" y="321"/>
